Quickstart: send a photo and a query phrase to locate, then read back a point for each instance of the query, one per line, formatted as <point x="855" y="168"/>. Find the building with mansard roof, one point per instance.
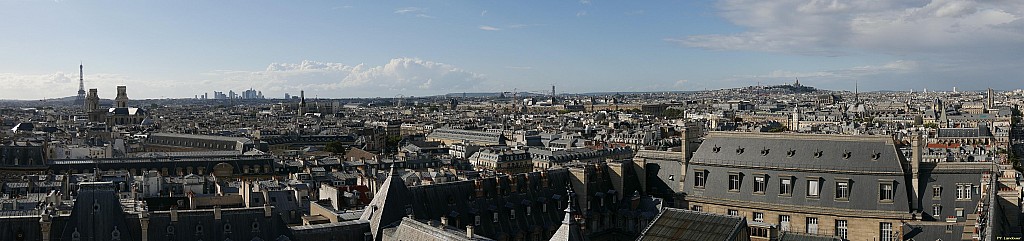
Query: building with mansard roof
<point x="854" y="187"/>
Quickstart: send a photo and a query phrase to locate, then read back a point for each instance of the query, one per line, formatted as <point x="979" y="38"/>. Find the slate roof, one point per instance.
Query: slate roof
<point x="388" y="205"/>
<point x="681" y="224"/>
<point x="411" y="229"/>
<point x="801" y="151"/>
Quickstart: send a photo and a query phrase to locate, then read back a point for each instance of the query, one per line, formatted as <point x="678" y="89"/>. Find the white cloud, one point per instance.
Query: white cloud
<point x="834" y="27"/>
<point x="413" y="11"/>
<point x="406" y="76"/>
<point x="483" y="13"/>
<point x="581" y="13"/>
<point x="681" y="83"/>
<point x="61" y="84"/>
<point x="488" y="28"/>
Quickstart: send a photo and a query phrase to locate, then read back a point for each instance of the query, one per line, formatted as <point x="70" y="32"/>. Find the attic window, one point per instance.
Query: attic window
<point x="847" y="155"/>
<point x="716" y="149"/>
<point x="876" y="156"/>
<point x="764" y="152"/>
<point x="791" y="153"/>
<point x="739" y="150"/>
<point x="818" y="154"/>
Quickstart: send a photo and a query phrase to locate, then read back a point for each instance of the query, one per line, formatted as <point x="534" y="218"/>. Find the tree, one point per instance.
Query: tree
<point x="335" y="147"/>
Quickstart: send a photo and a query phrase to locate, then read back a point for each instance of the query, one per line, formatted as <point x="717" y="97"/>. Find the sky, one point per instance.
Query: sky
<point x="344" y="49"/>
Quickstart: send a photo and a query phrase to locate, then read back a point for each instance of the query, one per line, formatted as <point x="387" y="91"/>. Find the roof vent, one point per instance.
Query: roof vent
<point x="876" y="156"/>
<point x="791" y="153"/>
<point x="817" y="154"/>
<point x="716" y="149"/>
<point x="739" y="150"/>
<point x="847" y="155"/>
<point x="764" y="152"/>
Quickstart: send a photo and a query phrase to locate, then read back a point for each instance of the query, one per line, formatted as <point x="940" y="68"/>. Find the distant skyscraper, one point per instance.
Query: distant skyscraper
<point x="302" y="102"/>
<point x="287" y="96"/>
<point x="80" y="100"/>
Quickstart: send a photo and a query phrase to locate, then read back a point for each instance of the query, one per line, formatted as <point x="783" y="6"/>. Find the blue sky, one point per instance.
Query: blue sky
<point x="426" y="47"/>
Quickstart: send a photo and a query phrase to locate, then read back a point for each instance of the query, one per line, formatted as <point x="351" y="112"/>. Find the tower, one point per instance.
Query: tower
<point x="302" y="102"/>
<point x="80" y="100"/>
<point x="989" y="102"/>
<point x="795" y="122"/>
<point x="92" y="102"/>
<point x="92" y="106"/>
<point x="122" y="97"/>
<point x="552" y="95"/>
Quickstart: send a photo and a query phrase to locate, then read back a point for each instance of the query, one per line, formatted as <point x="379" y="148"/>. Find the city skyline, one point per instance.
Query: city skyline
<point x="359" y="49"/>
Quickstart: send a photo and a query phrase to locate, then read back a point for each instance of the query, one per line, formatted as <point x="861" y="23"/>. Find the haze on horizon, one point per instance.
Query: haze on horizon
<point x="341" y="49"/>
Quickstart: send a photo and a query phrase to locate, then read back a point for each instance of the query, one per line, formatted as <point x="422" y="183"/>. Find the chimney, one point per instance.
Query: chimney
<point x="174" y="214"/>
<point x="917" y="147"/>
<point x="444" y="222"/>
<point x="216" y="212"/>
<point x="469" y="231"/>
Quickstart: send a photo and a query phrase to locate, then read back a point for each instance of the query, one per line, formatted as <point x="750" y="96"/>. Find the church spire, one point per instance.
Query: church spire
<point x="570" y="229"/>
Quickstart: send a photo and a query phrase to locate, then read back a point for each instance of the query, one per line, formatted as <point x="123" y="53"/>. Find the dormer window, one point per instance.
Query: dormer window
<point x="791" y="153"/>
<point x="818" y="154"/>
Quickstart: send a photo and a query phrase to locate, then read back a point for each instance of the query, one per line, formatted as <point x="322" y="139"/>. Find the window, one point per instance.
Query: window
<point x="512" y="214"/>
<point x="812" y="188"/>
<point x="885" y="192"/>
<point x="697" y="208"/>
<point x="959" y="212"/>
<point x="734" y="212"/>
<point x="529" y="209"/>
<point x="760" y="184"/>
<point x="936" y="192"/>
<point x="937" y="211"/>
<point x="812" y="225"/>
<point x="841" y="229"/>
<point x="544" y="208"/>
<point x="963" y="191"/>
<point x="885" y="232"/>
<point x="476" y="220"/>
<point x="759" y="217"/>
<point x="843" y="190"/>
<point x="495" y="217"/>
<point x="699" y="179"/>
<point x="671" y="177"/>
<point x="784" y="222"/>
<point x="734" y="182"/>
<point x="786" y="186"/>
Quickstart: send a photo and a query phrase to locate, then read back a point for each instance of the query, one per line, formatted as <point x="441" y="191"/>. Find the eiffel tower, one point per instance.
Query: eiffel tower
<point x="80" y="100"/>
